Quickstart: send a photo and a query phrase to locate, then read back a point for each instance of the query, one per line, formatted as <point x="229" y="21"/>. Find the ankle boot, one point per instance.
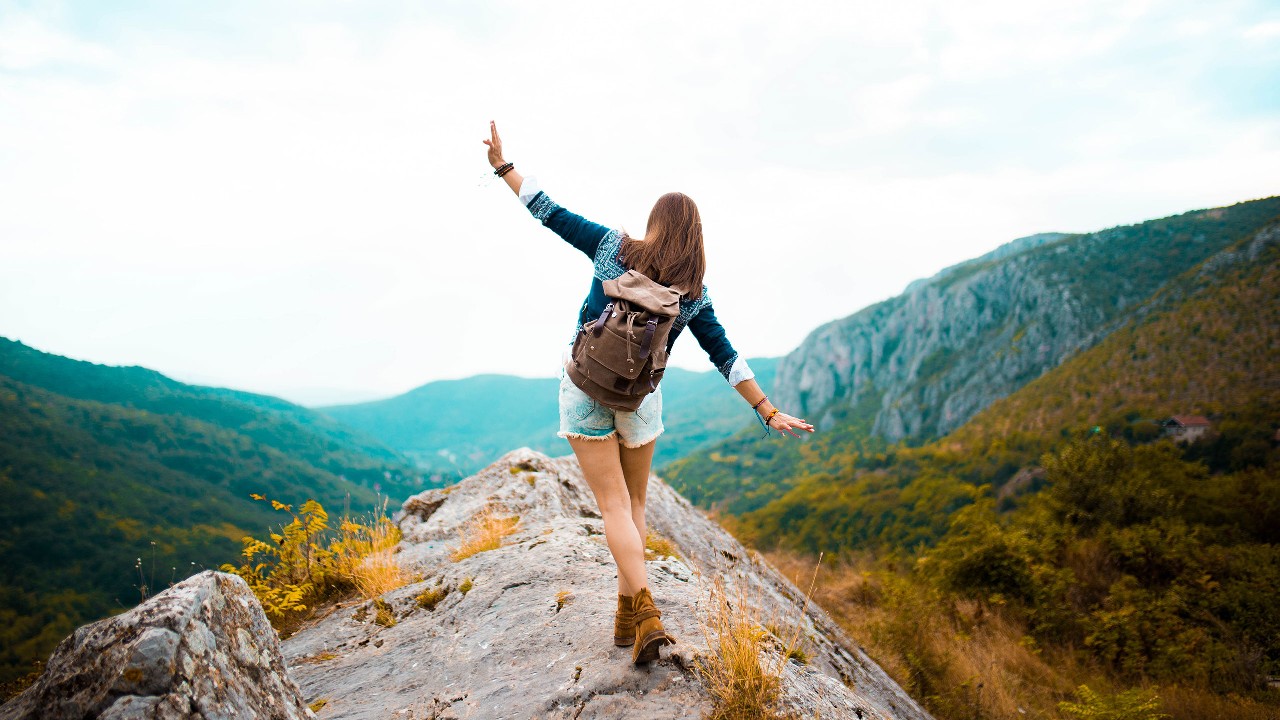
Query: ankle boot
<point x="624" y="629"/>
<point x="650" y="635"/>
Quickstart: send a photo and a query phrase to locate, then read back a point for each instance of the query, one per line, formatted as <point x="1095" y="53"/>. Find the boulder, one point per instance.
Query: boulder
<point x="201" y="649"/>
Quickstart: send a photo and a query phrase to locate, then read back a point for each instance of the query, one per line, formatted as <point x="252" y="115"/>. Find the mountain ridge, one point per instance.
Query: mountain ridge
<point x="929" y="352"/>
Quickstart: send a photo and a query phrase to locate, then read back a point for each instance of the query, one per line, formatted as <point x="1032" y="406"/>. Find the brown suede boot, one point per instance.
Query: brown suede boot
<point x="650" y="635"/>
<point x="624" y="629"/>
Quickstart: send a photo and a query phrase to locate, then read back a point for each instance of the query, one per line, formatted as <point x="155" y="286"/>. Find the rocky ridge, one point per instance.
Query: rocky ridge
<point x="525" y="631"/>
<point x="922" y="363"/>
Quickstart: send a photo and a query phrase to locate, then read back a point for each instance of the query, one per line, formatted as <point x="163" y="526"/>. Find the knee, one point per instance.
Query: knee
<point x="637" y="502"/>
<point x="620" y="505"/>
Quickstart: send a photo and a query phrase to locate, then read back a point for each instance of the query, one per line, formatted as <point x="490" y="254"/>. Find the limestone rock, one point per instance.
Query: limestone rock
<point x="531" y="636"/>
<point x="201" y="649"/>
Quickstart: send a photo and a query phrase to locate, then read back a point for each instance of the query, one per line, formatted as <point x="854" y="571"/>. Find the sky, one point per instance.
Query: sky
<point x="293" y="198"/>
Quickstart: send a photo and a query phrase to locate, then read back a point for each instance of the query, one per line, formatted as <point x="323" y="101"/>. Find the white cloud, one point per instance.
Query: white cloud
<point x="1263" y="31"/>
<point x="294" y="205"/>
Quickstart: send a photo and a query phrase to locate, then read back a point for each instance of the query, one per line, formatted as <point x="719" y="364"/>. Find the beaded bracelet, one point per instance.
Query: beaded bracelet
<point x="504" y="169"/>
<point x="769" y="419"/>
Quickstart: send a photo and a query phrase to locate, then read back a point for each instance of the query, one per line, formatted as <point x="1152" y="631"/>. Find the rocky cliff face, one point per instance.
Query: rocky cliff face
<point x="525" y="631"/>
<point x="924" y="362"/>
<point x="521" y="631"/>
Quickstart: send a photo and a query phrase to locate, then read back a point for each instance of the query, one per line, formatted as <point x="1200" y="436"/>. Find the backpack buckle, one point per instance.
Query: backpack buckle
<point x="649" y="329"/>
<point x="598" y="326"/>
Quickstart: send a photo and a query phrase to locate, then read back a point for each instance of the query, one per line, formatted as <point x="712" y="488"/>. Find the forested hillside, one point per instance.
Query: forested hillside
<point x="1209" y="345"/>
<point x="116" y="479"/>
<point x="1061" y="521"/>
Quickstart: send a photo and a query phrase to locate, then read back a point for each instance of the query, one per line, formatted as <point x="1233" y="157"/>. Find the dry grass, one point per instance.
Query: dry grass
<point x="380" y="573"/>
<point x="366" y="555"/>
<point x="484" y="532"/>
<point x="317" y="658"/>
<point x="660" y="545"/>
<point x="742" y="684"/>
<point x="960" y="659"/>
<point x="747" y="655"/>
<point x="1195" y="704"/>
<point x="386" y="617"/>
<point x="964" y="659"/>
<point x="465" y="586"/>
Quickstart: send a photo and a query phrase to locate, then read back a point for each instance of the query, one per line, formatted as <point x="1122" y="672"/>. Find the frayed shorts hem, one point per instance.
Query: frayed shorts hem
<point x="584" y="436"/>
<point x="611" y="433"/>
<point x="637" y="444"/>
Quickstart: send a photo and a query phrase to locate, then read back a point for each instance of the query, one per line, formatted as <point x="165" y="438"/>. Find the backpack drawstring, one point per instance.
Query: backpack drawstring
<point x="631" y="333"/>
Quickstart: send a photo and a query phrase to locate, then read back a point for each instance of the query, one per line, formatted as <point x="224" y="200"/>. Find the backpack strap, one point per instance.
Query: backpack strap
<point x="598" y="326"/>
<point x="649" y="329"/>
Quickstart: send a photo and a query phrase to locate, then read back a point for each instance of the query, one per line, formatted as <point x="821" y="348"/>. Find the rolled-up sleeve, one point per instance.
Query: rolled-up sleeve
<point x="715" y="342"/>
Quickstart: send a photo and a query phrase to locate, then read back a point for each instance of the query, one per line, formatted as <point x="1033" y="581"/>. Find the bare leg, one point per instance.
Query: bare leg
<point x="636" y="464"/>
<point x="602" y="469"/>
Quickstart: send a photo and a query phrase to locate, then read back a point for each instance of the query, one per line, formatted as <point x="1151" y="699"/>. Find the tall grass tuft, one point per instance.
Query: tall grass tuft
<point x="368" y="556"/>
<point x="483" y="532"/>
<point x="743" y="669"/>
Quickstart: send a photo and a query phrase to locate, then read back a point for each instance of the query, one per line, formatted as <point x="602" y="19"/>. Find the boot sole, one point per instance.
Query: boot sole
<point x="627" y="641"/>
<point x="650" y="646"/>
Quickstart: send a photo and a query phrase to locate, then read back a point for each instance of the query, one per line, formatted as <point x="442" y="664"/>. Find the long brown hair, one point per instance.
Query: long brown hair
<point x="671" y="251"/>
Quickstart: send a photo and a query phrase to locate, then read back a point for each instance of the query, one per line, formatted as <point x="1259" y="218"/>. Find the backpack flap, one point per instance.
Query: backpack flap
<point x="642" y="292"/>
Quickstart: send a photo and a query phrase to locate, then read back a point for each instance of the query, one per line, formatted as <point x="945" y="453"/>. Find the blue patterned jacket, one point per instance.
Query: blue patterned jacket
<point x="602" y="246"/>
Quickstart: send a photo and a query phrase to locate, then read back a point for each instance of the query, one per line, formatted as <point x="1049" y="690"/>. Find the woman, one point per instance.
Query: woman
<point x="615" y="447"/>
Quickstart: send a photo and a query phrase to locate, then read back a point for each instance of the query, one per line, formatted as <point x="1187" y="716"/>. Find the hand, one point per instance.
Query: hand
<point x="495" y="146"/>
<point x="788" y="424"/>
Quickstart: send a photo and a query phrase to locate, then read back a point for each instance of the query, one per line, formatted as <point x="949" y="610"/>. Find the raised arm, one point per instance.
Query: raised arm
<point x="512" y="178"/>
<point x="575" y="229"/>
<point x="711" y="336"/>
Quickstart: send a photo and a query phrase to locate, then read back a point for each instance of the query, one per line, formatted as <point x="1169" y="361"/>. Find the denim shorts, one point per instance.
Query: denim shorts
<point x="585" y="419"/>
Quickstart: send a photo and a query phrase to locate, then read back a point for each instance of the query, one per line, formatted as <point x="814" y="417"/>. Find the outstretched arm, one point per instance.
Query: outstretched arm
<point x="751" y="392"/>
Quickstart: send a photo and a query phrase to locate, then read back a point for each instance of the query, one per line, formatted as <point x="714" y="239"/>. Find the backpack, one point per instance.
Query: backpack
<point x="619" y="358"/>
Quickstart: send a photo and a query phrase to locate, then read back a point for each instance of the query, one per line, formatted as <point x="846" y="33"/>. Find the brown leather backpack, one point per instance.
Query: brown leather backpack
<point x="619" y="358"/>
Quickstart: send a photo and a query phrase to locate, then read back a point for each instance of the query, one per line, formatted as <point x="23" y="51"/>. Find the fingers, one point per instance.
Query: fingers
<point x="788" y="424"/>
<point x="493" y="132"/>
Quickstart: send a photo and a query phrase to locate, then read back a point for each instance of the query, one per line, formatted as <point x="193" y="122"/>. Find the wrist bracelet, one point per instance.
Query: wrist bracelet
<point x="758" y="404"/>
<point x="770" y="418"/>
<point x="503" y="169"/>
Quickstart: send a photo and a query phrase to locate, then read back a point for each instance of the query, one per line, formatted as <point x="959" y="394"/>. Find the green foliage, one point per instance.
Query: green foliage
<point x="307" y="561"/>
<point x="291" y="430"/>
<point x="429" y="598"/>
<point x="1132" y="704"/>
<point x="1096" y="480"/>
<point x="116" y="479"/>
